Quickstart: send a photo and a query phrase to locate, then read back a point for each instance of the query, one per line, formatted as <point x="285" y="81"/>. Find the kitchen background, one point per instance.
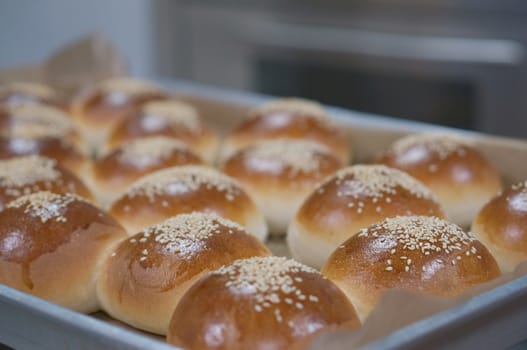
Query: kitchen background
<point x="461" y="63"/>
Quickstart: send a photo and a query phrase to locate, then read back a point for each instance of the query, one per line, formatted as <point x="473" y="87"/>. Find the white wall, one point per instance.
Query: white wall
<point x="31" y="29"/>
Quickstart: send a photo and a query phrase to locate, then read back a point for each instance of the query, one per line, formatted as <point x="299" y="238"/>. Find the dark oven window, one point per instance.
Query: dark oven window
<point x="436" y="101"/>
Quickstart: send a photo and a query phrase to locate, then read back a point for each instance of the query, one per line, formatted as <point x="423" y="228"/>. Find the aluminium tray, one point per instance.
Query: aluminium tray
<point x="495" y="319"/>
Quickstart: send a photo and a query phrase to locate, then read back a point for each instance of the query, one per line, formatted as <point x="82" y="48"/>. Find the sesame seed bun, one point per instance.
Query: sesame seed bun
<point x="168" y="192"/>
<point x="100" y="109"/>
<point x="51" y="246"/>
<point x="34" y="139"/>
<point x="168" y="118"/>
<point x="114" y="172"/>
<point x="280" y="174"/>
<point x="28" y="174"/>
<point x="258" y="303"/>
<point x="41" y="115"/>
<point x="502" y="226"/>
<point x="462" y="179"/>
<point x="421" y="254"/>
<point x="24" y="93"/>
<point x="143" y="280"/>
<point x="353" y="198"/>
<point x="290" y="118"/>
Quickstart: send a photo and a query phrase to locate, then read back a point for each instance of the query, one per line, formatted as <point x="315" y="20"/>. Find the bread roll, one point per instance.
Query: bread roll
<point x="185" y="189"/>
<point x="280" y="174"/>
<point x="168" y="118"/>
<point x="24" y="175"/>
<point x="41" y="116"/>
<point x="353" y="198"/>
<point x="425" y="255"/>
<point x="100" y="109"/>
<point x="114" y="172"/>
<point x="502" y="226"/>
<point x="51" y="246"/>
<point x="290" y="118"/>
<point x="258" y="303"/>
<point x="461" y="178"/>
<point x="34" y="139"/>
<point x="143" y="280"/>
<point x="25" y="93"/>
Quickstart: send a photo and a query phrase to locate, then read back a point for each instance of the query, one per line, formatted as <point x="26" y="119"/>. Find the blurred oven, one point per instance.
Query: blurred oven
<point x="435" y="65"/>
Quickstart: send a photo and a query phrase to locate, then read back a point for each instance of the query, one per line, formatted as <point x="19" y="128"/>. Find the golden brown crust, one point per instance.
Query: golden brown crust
<point x="51" y="244"/>
<point x="111" y="100"/>
<point x="118" y="169"/>
<point x="422" y="254"/>
<point x="502" y="226"/>
<point x="166" y="118"/>
<point x="454" y="170"/>
<point x="40" y="115"/>
<point x="30" y="139"/>
<point x="284" y="121"/>
<point x="360" y="195"/>
<point x="282" y="165"/>
<point x="24" y="175"/>
<point x="22" y="93"/>
<point x="280" y="174"/>
<point x="144" y="279"/>
<point x="258" y="303"/>
<point x="185" y="189"/>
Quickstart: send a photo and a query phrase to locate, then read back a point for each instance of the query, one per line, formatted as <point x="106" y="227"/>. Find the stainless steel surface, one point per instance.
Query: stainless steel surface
<point x="27" y="322"/>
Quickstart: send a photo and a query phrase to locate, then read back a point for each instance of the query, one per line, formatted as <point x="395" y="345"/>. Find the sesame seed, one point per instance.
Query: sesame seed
<point x="389" y="268"/>
<point x="272" y="279"/>
<point x="149" y="151"/>
<point x="44" y="116"/>
<point x="441" y="144"/>
<point x="28" y="170"/>
<point x="175" y="114"/>
<point x="375" y="182"/>
<point x="46" y="205"/>
<point x="182" y="179"/>
<point x="300" y="156"/>
<point x="185" y="234"/>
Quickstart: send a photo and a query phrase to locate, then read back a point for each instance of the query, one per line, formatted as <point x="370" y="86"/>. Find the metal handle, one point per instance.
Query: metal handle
<point x="351" y="41"/>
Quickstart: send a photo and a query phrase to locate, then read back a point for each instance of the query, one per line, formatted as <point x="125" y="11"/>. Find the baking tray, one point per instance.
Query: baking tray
<point x="495" y="319"/>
